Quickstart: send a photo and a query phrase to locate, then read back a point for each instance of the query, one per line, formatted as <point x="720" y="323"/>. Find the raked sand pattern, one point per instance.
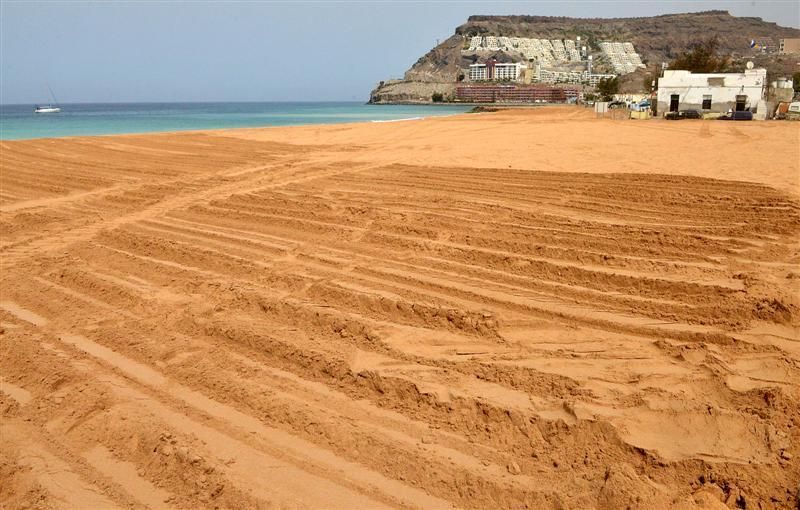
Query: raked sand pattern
<point x="471" y="312"/>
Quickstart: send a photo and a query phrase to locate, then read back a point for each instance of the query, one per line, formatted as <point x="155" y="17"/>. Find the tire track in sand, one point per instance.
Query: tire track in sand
<point x="285" y="481"/>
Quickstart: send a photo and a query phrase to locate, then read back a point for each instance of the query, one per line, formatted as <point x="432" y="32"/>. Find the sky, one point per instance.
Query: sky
<point x="125" y="51"/>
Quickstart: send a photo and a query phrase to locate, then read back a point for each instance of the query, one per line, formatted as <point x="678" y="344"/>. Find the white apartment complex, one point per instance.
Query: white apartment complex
<point x="496" y="71"/>
<point x="478" y="72"/>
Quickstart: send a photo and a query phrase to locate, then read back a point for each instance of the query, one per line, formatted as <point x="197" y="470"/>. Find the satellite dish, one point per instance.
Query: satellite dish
<point x="749" y="65"/>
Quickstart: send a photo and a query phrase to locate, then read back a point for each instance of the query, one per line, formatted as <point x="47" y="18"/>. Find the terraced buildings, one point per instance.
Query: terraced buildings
<point x="553" y="60"/>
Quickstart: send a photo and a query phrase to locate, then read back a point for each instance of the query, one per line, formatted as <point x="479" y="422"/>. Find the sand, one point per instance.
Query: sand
<point x="518" y="309"/>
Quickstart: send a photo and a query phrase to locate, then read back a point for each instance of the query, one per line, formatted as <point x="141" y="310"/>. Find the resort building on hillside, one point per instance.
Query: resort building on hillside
<point x="714" y="92"/>
<point x="576" y="77"/>
<point x="478" y="72"/>
<point x="789" y="46"/>
<point x="555" y="53"/>
<point x="496" y="71"/>
<point x="518" y="72"/>
<point x="508" y="71"/>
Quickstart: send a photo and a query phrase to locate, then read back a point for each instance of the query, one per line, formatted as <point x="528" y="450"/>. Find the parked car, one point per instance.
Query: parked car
<point x="673" y="116"/>
<point x="691" y="114"/>
<point x="745" y="115"/>
<point x="617" y="104"/>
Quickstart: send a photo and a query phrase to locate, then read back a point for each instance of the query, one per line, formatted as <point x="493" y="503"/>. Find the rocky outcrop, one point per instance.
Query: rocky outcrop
<point x="441" y="64"/>
<point x="402" y="91"/>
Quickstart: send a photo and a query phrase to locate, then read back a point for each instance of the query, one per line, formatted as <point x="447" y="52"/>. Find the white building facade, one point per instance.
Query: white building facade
<point x="711" y="92"/>
<point x="478" y="72"/>
<point x="508" y="71"/>
<point x="496" y="71"/>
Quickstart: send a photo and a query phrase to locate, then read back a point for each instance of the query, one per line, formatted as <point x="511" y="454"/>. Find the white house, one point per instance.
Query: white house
<point x="711" y="92"/>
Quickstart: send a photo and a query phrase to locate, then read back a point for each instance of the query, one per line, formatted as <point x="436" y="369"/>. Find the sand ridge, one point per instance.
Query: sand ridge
<point x="455" y="312"/>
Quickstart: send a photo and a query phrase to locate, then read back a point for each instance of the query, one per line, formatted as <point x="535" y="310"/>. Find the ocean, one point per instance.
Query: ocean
<point x="18" y="122"/>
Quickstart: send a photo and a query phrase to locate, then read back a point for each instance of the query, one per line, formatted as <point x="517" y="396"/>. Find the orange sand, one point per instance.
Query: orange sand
<point x="526" y="308"/>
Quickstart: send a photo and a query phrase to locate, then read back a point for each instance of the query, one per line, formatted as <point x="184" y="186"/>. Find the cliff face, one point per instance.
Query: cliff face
<point x="440" y="64"/>
<point x="657" y="39"/>
<point x="406" y="91"/>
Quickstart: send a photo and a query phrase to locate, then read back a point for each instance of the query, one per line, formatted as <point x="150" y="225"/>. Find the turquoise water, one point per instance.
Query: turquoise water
<point x="18" y="122"/>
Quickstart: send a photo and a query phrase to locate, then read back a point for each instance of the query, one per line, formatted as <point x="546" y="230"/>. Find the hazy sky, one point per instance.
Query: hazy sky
<point x="256" y="51"/>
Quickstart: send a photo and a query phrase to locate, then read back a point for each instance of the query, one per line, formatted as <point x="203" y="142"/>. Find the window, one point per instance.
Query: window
<point x="707" y="102"/>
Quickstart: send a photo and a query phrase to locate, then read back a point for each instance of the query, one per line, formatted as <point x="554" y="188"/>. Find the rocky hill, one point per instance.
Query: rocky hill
<point x="657" y="39"/>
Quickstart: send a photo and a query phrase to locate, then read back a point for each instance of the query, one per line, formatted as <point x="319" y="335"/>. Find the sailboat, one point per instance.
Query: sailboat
<point x="46" y="109"/>
<point x="50" y="108"/>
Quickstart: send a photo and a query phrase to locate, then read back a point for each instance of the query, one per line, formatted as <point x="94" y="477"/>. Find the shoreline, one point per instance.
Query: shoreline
<point x="498" y="106"/>
<point x="601" y="153"/>
<point x="333" y="113"/>
<point x="225" y="130"/>
<point x="443" y="103"/>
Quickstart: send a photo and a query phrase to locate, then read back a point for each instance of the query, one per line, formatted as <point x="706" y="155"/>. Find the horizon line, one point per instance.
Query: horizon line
<point x="187" y="102"/>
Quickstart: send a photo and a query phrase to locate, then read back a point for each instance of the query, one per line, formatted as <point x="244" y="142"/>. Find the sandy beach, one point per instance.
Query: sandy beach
<point x="520" y="309"/>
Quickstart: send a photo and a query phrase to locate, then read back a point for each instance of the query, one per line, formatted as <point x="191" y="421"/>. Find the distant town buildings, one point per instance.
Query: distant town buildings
<point x="541" y="50"/>
<point x="789" y="46"/>
<point x="574" y="77"/>
<point x="711" y="92"/>
<point x="622" y="56"/>
<point x="550" y="60"/>
<point x="570" y="62"/>
<point x="515" y="72"/>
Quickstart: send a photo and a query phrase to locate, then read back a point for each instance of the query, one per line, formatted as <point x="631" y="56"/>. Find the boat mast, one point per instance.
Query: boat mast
<point x="55" y="101"/>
